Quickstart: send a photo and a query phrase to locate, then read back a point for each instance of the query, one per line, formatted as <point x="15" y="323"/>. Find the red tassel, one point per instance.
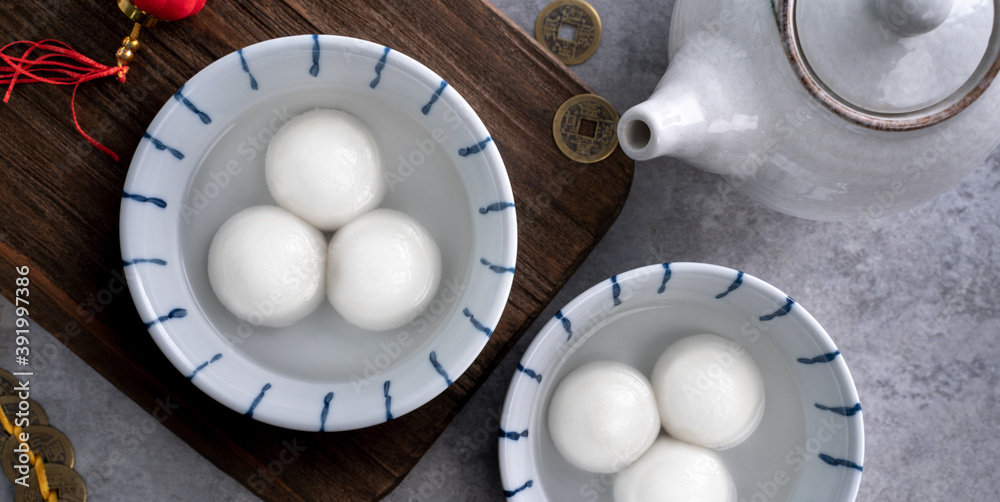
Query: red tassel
<point x="57" y="64"/>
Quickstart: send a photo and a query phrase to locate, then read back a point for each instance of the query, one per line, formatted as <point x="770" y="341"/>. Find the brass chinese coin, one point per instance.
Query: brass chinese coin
<point x="49" y="442"/>
<point x="67" y="484"/>
<point x="570" y="29"/>
<point x="10" y="405"/>
<point x="585" y="128"/>
<point x="7" y="383"/>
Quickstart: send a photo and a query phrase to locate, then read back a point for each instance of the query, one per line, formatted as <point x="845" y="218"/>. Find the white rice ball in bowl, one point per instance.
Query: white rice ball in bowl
<point x="202" y="161"/>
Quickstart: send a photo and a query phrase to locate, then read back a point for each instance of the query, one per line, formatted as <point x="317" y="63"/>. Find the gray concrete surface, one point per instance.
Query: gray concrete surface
<point x="911" y="300"/>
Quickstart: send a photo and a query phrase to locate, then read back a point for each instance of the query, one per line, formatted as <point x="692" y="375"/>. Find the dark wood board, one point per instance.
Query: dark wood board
<point x="60" y="198"/>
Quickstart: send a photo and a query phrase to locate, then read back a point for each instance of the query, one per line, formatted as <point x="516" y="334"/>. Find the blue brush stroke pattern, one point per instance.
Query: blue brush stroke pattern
<point x="568" y="326"/>
<point x="378" y="68"/>
<point x="825" y="358"/>
<point x="154" y="261"/>
<point x="512" y="435"/>
<point x="439" y="368"/>
<point x="780" y="312"/>
<point x="388" y="401"/>
<point x="161" y="146"/>
<point x="160" y="203"/>
<point x="314" y="69"/>
<point x="478" y="147"/>
<point x="246" y="68"/>
<point x="257" y="399"/>
<point x="204" y="365"/>
<point x="496" y="206"/>
<point x="666" y="277"/>
<point x="515" y="491"/>
<point x="733" y="286"/>
<point x="616" y="290"/>
<point x="841" y="410"/>
<point x="326" y="411"/>
<point x="434" y="97"/>
<point x="530" y="372"/>
<point x="496" y="268"/>
<point x="478" y="325"/>
<point x="838" y="461"/>
<point x="179" y="96"/>
<point x="173" y="314"/>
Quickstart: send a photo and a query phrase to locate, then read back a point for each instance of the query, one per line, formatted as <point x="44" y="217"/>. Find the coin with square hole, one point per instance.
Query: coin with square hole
<point x="8" y="383"/>
<point x="10" y="405"/>
<point x="67" y="484"/>
<point x="585" y="128"/>
<point x="570" y="29"/>
<point x="49" y="442"/>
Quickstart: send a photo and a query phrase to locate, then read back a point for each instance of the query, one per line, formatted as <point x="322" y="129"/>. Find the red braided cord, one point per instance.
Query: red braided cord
<point x="60" y="65"/>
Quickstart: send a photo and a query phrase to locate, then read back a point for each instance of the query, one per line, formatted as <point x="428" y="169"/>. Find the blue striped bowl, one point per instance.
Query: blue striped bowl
<point x="810" y="442"/>
<point x="201" y="161"/>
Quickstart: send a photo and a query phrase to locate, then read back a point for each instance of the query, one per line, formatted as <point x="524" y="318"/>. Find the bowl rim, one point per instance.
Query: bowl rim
<point x="548" y="351"/>
<point x="291" y="410"/>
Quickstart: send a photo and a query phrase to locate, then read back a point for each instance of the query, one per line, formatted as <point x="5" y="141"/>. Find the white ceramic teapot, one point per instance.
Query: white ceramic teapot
<point x="827" y="109"/>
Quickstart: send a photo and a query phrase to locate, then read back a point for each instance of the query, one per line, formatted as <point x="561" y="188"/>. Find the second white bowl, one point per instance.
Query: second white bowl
<point x="810" y="442"/>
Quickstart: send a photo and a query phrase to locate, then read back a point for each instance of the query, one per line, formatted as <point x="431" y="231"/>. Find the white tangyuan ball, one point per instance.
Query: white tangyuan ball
<point x="323" y="166"/>
<point x="384" y="268"/>
<point x="267" y="266"/>
<point x="709" y="391"/>
<point x="602" y="416"/>
<point x="675" y="471"/>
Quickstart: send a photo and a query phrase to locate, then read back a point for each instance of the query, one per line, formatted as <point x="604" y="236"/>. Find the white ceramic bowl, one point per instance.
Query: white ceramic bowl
<point x="810" y="442"/>
<point x="202" y="160"/>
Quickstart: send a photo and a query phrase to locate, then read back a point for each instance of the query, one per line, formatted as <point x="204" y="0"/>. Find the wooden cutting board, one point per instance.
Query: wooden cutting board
<point x="60" y="203"/>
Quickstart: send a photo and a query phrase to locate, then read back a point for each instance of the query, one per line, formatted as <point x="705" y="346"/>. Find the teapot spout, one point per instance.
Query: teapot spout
<point x="688" y="117"/>
<point x="666" y="124"/>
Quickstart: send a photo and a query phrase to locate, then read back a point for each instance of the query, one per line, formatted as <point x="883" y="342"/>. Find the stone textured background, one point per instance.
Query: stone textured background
<point x="911" y="301"/>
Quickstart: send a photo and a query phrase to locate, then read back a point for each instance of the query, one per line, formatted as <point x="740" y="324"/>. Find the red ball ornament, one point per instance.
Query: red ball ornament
<point x="169" y="10"/>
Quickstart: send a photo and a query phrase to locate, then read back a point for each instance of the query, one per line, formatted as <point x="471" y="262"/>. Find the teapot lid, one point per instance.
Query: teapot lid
<point x="893" y="64"/>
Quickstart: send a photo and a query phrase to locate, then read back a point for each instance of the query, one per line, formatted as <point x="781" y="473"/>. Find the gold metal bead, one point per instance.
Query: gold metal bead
<point x="131" y="44"/>
<point x="124" y="55"/>
<point x="137" y="15"/>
